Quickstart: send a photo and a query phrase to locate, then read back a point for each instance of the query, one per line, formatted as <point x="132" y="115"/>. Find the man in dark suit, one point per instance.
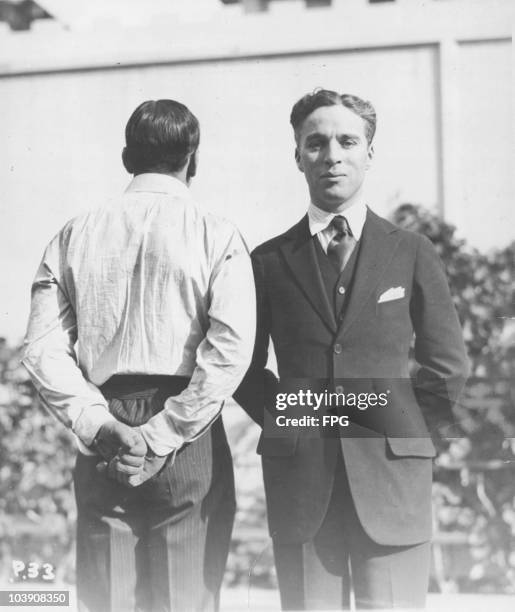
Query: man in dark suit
<point x="341" y="294"/>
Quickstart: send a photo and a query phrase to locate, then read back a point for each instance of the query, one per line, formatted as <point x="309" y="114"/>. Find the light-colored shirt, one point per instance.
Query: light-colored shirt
<point x="320" y="222"/>
<point x="149" y="284"/>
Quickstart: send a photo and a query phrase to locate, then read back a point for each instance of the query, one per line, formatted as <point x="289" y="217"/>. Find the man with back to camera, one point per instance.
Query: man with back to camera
<point x="159" y="296"/>
<point x="341" y="294"/>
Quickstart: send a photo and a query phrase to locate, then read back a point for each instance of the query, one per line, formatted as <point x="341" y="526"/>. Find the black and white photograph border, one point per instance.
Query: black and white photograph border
<point x="439" y="74"/>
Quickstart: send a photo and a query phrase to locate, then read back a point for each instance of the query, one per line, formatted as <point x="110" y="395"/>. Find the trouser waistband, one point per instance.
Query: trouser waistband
<point x="122" y="385"/>
<point x="135" y="398"/>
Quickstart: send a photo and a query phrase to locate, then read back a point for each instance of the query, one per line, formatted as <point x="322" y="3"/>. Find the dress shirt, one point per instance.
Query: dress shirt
<point x="320" y="222"/>
<point x="149" y="284"/>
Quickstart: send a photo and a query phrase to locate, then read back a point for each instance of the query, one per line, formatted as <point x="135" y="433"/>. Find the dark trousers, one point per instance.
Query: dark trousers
<point x="161" y="546"/>
<point x="319" y="574"/>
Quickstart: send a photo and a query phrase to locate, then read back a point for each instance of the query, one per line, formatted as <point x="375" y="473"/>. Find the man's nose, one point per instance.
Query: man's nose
<point x="333" y="153"/>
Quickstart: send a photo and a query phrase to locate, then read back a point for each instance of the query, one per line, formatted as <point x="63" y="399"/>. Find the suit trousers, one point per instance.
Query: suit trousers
<point x="161" y="546"/>
<point x="320" y="574"/>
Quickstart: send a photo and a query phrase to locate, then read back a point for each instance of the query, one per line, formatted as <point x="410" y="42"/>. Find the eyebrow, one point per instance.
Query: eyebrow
<point x="316" y="135"/>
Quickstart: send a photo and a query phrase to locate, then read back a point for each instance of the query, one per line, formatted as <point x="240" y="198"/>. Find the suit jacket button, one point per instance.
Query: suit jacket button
<point x="338" y="389"/>
<point x="337" y="348"/>
<point x="341" y="290"/>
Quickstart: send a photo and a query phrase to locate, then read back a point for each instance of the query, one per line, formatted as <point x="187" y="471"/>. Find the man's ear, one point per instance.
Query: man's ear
<point x="192" y="166"/>
<point x="298" y="161"/>
<point x="126" y="161"/>
<point x="370" y="156"/>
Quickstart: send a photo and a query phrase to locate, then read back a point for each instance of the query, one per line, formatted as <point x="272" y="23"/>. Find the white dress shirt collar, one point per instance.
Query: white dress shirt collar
<point x="319" y="219"/>
<point x="153" y="182"/>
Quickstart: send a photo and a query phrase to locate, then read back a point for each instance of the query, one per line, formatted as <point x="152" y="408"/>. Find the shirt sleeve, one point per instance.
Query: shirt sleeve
<point x="222" y="358"/>
<point x="49" y="355"/>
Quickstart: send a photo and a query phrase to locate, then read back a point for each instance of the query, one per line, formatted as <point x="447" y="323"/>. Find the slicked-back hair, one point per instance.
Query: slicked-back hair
<point x="325" y="97"/>
<point x="160" y="136"/>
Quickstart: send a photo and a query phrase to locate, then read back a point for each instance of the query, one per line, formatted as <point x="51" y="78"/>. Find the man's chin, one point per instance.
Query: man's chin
<point x="332" y="201"/>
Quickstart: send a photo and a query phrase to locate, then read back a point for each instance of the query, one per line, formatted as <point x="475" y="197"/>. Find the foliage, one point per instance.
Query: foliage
<point x="37" y="509"/>
<point x="474" y="492"/>
<point x="482" y="287"/>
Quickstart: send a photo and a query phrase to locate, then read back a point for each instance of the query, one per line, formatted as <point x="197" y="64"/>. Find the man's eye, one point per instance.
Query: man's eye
<point x="347" y="144"/>
<point x="314" y="145"/>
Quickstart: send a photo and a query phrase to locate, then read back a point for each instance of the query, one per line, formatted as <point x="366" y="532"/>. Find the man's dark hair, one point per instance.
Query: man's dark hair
<point x="160" y="136"/>
<point x="325" y="97"/>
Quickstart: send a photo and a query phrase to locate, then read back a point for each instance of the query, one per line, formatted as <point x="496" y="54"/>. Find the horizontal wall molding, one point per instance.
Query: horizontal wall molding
<point x="51" y="48"/>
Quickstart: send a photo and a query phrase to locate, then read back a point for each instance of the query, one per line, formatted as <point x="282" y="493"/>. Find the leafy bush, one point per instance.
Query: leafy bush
<point x="482" y="288"/>
<point x="37" y="508"/>
<point x="474" y="491"/>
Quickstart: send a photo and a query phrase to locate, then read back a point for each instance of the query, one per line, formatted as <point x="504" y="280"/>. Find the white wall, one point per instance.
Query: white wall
<point x="486" y="212"/>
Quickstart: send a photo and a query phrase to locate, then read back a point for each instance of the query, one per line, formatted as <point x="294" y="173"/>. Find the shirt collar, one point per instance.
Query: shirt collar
<point x="158" y="183"/>
<point x="320" y="219"/>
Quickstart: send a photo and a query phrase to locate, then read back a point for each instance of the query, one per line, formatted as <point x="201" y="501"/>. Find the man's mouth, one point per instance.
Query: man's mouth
<point x="332" y="176"/>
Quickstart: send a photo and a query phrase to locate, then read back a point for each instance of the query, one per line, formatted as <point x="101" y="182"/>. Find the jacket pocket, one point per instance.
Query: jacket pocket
<point x="412" y="447"/>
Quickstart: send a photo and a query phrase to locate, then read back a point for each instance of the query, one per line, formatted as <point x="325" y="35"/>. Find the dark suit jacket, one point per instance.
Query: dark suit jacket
<point x="390" y="471"/>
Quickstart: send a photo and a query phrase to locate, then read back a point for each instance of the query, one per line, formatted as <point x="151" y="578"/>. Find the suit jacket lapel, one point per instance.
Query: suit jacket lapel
<point x="378" y="243"/>
<point x="299" y="252"/>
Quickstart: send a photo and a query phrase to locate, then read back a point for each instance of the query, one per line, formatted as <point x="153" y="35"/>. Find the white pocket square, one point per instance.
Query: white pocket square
<point x="394" y="293"/>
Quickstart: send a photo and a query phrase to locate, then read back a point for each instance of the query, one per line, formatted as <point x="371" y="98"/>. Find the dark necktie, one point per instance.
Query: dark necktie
<point x="342" y="244"/>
